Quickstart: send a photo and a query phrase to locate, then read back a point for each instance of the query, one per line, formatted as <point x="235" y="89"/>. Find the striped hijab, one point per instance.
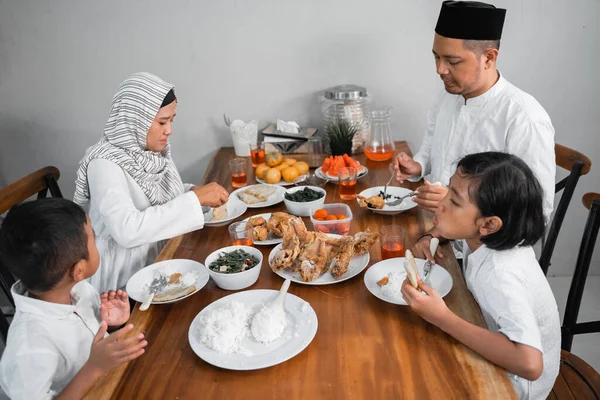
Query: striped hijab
<point x="134" y="108"/>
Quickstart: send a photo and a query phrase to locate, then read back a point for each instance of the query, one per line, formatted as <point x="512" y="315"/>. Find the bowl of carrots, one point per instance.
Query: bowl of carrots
<point x="331" y="218"/>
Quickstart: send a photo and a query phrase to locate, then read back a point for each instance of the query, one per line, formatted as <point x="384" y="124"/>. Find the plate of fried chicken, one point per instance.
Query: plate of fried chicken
<point x="267" y="227"/>
<point x="315" y="258"/>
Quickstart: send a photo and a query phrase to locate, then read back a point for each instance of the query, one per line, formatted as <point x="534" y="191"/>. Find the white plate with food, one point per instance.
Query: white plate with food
<point x="232" y="345"/>
<point x="271" y="238"/>
<point x="319" y="172"/>
<point x="184" y="278"/>
<point x="372" y="199"/>
<point x="223" y="215"/>
<point x="356" y="265"/>
<point x="392" y="270"/>
<point x="261" y="195"/>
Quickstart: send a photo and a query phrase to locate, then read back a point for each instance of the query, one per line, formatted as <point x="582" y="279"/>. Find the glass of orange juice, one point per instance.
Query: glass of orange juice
<point x="238" y="172"/>
<point x="241" y="233"/>
<point x="391" y="238"/>
<point x="347" y="178"/>
<point x="257" y="152"/>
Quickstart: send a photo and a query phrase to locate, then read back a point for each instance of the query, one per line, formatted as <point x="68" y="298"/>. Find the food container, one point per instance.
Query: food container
<point x="337" y="226"/>
<point x="236" y="280"/>
<point x="302" y="209"/>
<point x="349" y="103"/>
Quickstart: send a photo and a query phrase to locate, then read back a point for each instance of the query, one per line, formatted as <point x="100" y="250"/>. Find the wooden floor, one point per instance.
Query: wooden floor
<point x="576" y="380"/>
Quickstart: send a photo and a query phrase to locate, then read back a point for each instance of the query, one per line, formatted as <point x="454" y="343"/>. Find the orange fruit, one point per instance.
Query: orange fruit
<point x="331" y="218"/>
<point x="289" y="174"/>
<point x="260" y="171"/>
<point x="340" y="216"/>
<point x="302" y="167"/>
<point x="273" y="158"/>
<point x="273" y="175"/>
<point x="320" y="213"/>
<point x="290" y="161"/>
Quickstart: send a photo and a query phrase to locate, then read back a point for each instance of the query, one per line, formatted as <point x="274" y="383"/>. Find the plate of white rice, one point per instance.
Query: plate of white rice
<point x="220" y="334"/>
<point x="393" y="269"/>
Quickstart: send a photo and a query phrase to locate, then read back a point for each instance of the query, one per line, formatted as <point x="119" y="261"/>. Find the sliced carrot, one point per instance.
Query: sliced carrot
<point x="331" y="218"/>
<point x="340" y="216"/>
<point x="320" y="213"/>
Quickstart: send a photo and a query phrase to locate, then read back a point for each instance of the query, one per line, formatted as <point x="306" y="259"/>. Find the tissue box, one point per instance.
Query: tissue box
<point x="285" y="142"/>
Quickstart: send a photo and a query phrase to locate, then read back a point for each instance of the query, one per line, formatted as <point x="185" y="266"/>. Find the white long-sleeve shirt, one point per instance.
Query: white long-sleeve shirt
<point x="504" y="119"/>
<point x="129" y="231"/>
<point x="516" y="300"/>
<point x="48" y="343"/>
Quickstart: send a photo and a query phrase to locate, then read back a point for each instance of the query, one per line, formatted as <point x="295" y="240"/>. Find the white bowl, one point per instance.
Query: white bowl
<point x="238" y="280"/>
<point x="303" y="209"/>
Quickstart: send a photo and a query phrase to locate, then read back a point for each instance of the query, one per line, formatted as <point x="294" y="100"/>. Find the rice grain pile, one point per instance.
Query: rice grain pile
<point x="224" y="329"/>
<point x="393" y="289"/>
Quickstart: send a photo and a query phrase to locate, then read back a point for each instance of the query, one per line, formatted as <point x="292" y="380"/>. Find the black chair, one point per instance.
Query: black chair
<point x="37" y="183"/>
<point x="570" y="326"/>
<point x="578" y="164"/>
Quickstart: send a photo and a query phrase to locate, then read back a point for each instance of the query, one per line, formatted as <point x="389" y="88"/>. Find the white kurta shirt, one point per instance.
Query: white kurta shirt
<point x="129" y="231"/>
<point x="504" y="119"/>
<point x="48" y="343"/>
<point x="516" y="300"/>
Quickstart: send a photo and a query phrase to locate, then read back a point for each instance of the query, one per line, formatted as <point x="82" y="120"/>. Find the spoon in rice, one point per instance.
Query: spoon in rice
<point x="269" y="323"/>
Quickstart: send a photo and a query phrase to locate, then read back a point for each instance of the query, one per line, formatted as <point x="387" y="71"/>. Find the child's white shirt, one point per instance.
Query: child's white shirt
<point x="516" y="300"/>
<point x="48" y="343"/>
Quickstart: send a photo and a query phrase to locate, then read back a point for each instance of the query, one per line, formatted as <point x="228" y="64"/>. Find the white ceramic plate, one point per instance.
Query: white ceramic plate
<point x="137" y="285"/>
<point x="273" y="199"/>
<point x="357" y="265"/>
<point x="320" y="174"/>
<point x="282" y="182"/>
<point x="301" y="329"/>
<point x="406" y="204"/>
<point x="440" y="278"/>
<point x="271" y="238"/>
<point x="235" y="208"/>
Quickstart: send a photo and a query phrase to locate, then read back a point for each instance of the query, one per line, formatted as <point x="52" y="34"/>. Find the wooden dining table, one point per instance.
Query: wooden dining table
<point x="364" y="348"/>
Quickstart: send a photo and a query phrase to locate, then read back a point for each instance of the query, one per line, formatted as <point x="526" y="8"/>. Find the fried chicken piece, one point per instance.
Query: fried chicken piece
<point x="383" y="281"/>
<point x="313" y="260"/>
<point x="260" y="232"/>
<point x="174" y="278"/>
<point x="290" y="249"/>
<point x="340" y="262"/>
<point x="257" y="221"/>
<point x="363" y="241"/>
<point x="274" y="225"/>
<point x="304" y="235"/>
<point x="375" y="202"/>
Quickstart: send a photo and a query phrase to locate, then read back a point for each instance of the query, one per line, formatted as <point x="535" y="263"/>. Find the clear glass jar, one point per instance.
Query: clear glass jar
<point x="349" y="103"/>
<point x="379" y="145"/>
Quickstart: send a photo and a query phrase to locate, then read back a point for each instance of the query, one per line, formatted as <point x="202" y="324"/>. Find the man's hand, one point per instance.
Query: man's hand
<point x="211" y="195"/>
<point x="405" y="167"/>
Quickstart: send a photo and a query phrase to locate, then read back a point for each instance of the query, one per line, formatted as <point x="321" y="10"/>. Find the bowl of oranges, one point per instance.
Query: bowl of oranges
<point x="331" y="218"/>
<point x="277" y="170"/>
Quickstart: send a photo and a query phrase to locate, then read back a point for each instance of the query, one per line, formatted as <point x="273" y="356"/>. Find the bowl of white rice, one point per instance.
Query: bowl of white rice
<point x="225" y="279"/>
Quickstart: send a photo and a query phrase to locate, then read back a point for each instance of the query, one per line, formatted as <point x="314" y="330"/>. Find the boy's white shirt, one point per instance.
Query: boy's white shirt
<point x="48" y="343"/>
<point x="516" y="300"/>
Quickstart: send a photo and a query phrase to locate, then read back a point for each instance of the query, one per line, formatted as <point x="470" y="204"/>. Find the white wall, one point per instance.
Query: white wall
<point x="61" y="61"/>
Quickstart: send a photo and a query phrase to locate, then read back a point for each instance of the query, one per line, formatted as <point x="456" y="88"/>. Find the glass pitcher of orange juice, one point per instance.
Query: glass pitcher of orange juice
<point x="379" y="145"/>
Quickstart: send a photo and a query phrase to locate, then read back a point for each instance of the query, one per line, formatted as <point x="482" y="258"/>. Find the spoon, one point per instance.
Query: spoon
<point x="269" y="323"/>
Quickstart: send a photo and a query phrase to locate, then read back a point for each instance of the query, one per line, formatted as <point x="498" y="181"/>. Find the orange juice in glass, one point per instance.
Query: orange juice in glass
<point x="241" y="234"/>
<point x="347" y="178"/>
<point x="257" y="153"/>
<point x="238" y="172"/>
<point x="391" y="238"/>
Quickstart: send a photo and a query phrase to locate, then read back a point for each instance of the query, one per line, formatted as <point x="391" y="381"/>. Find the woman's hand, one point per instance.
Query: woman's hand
<point x="211" y="195"/>
<point x="114" y="307"/>
<point x="429" y="196"/>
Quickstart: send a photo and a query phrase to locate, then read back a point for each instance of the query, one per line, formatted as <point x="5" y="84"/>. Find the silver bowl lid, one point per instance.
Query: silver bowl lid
<point x="346" y="92"/>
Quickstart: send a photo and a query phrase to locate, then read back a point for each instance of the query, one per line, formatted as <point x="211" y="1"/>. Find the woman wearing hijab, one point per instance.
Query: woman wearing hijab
<point x="133" y="191"/>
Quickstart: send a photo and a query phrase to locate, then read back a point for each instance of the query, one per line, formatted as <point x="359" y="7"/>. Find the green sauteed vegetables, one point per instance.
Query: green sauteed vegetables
<point x="304" y="195"/>
<point x="236" y="261"/>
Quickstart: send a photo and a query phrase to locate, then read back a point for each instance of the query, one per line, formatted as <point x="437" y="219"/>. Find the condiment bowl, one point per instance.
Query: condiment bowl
<point x="302" y="209"/>
<point x="235" y="280"/>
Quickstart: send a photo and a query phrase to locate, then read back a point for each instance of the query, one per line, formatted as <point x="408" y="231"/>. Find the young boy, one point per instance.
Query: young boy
<point x="57" y="343"/>
<point x="494" y="203"/>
